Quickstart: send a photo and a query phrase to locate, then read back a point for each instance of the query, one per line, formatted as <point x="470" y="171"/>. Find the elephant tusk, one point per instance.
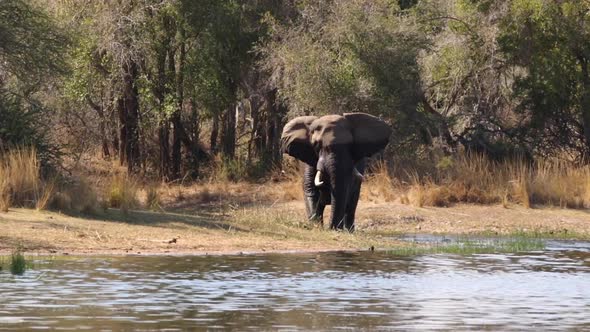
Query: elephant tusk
<point x="357" y="174"/>
<point x="317" y="180"/>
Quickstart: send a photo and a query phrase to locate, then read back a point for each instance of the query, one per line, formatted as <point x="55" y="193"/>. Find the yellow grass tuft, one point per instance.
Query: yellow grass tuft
<point x="122" y="192"/>
<point x="21" y="173"/>
<point x="45" y="196"/>
<point x="20" y="181"/>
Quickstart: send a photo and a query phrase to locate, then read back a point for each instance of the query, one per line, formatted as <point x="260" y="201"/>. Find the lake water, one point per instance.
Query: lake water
<point x="545" y="290"/>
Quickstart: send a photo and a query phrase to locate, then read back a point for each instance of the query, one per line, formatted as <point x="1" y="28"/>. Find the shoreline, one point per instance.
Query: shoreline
<point x="97" y="253"/>
<point x="270" y="229"/>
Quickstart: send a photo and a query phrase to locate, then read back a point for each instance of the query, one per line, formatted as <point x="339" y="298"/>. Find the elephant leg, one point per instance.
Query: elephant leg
<point x="314" y="207"/>
<point x="353" y="198"/>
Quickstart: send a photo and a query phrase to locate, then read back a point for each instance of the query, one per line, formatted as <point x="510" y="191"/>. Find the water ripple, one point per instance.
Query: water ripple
<point x="547" y="290"/>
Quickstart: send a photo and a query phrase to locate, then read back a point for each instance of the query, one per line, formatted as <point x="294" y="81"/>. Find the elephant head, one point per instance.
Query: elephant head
<point x="332" y="145"/>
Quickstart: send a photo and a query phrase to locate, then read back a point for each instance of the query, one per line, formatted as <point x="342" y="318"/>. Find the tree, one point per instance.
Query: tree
<point x="31" y="45"/>
<point x="548" y="42"/>
<point x="466" y="78"/>
<point x="350" y="56"/>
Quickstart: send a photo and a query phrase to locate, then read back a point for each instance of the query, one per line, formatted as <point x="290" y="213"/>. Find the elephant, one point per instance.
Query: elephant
<point x="334" y="149"/>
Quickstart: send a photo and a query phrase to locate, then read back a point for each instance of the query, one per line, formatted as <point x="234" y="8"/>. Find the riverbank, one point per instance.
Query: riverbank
<point x="278" y="227"/>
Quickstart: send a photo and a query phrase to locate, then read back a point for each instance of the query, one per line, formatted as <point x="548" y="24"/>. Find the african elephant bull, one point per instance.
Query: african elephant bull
<point x="334" y="148"/>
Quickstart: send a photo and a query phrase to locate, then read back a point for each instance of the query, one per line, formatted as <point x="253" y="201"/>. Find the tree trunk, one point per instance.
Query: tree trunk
<point x="260" y="111"/>
<point x="129" y="112"/>
<point x="122" y="130"/>
<point x="193" y="136"/>
<point x="214" y="133"/>
<point x="585" y="103"/>
<point x="228" y="133"/>
<point x="277" y="112"/>
<point x="113" y="125"/>
<point x="179" y="132"/>
<point x="164" y="142"/>
<point x="160" y="91"/>
<point x="101" y="126"/>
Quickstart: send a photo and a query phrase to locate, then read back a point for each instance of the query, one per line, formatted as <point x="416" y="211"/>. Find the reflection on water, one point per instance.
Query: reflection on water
<point x="364" y="291"/>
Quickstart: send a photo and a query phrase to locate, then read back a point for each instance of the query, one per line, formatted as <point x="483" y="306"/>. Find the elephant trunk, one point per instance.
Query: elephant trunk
<point x="318" y="179"/>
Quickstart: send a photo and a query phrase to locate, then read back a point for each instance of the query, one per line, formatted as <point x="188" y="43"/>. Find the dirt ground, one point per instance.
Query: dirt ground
<point x="273" y="227"/>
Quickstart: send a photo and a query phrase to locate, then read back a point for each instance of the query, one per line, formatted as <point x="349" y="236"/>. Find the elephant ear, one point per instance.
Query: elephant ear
<point x="370" y="133"/>
<point x="296" y="141"/>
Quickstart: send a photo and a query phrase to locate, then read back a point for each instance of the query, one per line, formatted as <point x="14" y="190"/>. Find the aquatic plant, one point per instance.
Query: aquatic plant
<point x="471" y="246"/>
<point x="18" y="263"/>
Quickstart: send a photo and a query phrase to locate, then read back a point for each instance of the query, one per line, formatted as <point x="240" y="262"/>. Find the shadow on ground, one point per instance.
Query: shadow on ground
<point x="211" y="217"/>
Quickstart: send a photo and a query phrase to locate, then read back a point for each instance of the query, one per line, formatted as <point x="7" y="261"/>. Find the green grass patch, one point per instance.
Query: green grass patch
<point x="547" y="234"/>
<point x="16" y="263"/>
<point x="470" y="246"/>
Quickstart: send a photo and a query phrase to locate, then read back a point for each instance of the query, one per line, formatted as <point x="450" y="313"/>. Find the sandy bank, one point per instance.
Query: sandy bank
<point x="267" y="228"/>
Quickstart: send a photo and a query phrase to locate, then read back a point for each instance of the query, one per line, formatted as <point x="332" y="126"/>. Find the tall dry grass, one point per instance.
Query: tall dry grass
<point x="472" y="178"/>
<point x="20" y="181"/>
<point x="21" y="185"/>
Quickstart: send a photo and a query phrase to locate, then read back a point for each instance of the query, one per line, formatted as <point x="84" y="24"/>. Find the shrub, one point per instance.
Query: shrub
<point x="122" y="193"/>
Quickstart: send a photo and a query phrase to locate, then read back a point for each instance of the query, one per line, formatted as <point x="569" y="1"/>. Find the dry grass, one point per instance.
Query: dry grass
<point x="46" y="193"/>
<point x="78" y="196"/>
<point x="122" y="192"/>
<point x="475" y="179"/>
<point x="21" y="185"/>
<point x="379" y="186"/>
<point x="558" y="183"/>
<point x="283" y="186"/>
<point x="153" y="200"/>
<point x="20" y="181"/>
<point x="463" y="178"/>
<point x="5" y="199"/>
<point x="289" y="183"/>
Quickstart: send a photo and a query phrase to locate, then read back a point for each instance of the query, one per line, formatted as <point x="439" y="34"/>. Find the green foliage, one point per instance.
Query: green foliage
<point x="239" y="169"/>
<point x="489" y="75"/>
<point x="31" y="45"/>
<point x="22" y="124"/>
<point x="354" y="56"/>
<point x="549" y="41"/>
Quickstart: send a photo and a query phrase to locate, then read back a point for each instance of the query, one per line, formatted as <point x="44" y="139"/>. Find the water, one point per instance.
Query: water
<point x="547" y="290"/>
